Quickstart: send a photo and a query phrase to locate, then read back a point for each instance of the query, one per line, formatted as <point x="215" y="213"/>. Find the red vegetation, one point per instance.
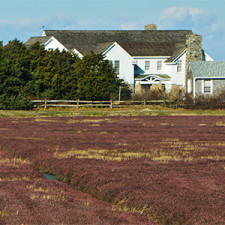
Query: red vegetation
<point x="170" y="169"/>
<point x="26" y="197"/>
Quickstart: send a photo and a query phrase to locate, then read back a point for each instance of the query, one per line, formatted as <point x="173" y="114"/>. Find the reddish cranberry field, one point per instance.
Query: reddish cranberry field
<point x="113" y="170"/>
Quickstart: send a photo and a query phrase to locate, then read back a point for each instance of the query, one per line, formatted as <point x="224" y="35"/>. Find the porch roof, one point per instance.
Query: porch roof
<point x="161" y="76"/>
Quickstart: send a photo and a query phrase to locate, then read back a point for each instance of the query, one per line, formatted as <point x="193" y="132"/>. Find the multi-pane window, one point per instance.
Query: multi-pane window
<point x="207" y="86"/>
<point x="117" y="66"/>
<point x="159" y="65"/>
<point x="147" y="65"/>
<point x="179" y="65"/>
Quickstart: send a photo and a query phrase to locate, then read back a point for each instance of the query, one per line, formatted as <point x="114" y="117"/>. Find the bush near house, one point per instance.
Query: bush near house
<point x="155" y="92"/>
<point x="203" y="102"/>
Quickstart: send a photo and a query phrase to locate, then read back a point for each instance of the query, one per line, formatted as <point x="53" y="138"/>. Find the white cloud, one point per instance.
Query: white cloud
<point x="128" y="26"/>
<point x="218" y="26"/>
<point x="22" y="23"/>
<point x="85" y="22"/>
<point x="200" y="22"/>
<point x="5" y="22"/>
<point x="177" y="16"/>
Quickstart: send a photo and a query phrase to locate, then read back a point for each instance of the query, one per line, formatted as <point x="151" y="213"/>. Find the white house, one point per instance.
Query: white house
<point x="139" y="56"/>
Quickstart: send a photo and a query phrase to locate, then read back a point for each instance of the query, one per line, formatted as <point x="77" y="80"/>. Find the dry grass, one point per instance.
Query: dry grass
<point x="4" y="212"/>
<point x="130" y="111"/>
<point x="15" y="179"/>
<point x="169" y="149"/>
<point x="220" y="124"/>
<point x="47" y="197"/>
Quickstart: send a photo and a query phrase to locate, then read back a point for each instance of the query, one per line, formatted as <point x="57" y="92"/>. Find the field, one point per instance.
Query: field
<point x="112" y="170"/>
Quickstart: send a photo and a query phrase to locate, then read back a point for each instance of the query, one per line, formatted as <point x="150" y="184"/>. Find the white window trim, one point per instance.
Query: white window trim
<point x="117" y="68"/>
<point x="181" y="66"/>
<point x="211" y="87"/>
<point x="149" y="65"/>
<point x="161" y="67"/>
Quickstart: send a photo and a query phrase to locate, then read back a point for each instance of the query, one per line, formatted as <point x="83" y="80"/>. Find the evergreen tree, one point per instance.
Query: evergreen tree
<point x="96" y="78"/>
<point x="14" y="75"/>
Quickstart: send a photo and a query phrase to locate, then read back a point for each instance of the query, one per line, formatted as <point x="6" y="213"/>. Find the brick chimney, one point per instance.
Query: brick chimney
<point x="151" y="27"/>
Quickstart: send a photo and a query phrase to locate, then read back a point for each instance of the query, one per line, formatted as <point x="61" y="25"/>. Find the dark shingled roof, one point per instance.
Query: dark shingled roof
<point x="135" y="42"/>
<point x="148" y="48"/>
<point x="33" y="40"/>
<point x="102" y="47"/>
<point x="176" y="51"/>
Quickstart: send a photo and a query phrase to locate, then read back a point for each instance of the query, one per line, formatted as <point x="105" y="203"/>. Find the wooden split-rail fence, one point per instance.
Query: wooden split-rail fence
<point x="110" y="104"/>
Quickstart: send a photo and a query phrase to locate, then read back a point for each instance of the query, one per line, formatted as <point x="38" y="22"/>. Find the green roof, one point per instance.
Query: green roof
<point x="211" y="69"/>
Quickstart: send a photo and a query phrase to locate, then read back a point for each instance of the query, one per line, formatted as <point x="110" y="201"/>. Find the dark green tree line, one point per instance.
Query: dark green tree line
<point x="34" y="73"/>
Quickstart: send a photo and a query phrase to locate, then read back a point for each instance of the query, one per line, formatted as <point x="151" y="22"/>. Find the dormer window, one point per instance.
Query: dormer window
<point x="159" y="65"/>
<point x="179" y="66"/>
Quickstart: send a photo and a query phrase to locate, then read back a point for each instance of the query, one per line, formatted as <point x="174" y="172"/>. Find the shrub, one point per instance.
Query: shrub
<point x="205" y="102"/>
<point x="20" y="102"/>
<point x="138" y="89"/>
<point x="175" y="92"/>
<point x="156" y="92"/>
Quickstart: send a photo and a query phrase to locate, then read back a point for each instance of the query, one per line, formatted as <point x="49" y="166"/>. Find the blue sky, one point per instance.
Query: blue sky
<point x="22" y="19"/>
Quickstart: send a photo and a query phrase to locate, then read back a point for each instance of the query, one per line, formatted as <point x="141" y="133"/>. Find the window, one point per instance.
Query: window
<point x="207" y="86"/>
<point x="147" y="65"/>
<point x="159" y="65"/>
<point x="117" y="66"/>
<point x="179" y="66"/>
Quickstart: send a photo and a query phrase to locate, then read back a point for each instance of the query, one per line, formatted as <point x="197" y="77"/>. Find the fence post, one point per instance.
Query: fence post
<point x="78" y="103"/>
<point x="144" y="102"/>
<point x="111" y="104"/>
<point x="45" y="103"/>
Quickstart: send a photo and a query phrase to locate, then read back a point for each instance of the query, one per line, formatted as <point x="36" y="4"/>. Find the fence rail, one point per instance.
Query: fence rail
<point x="110" y="104"/>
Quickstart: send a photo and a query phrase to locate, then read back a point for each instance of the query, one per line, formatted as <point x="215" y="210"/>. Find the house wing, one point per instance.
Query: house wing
<point x="122" y="50"/>
<point x="48" y="42"/>
<point x="208" y="69"/>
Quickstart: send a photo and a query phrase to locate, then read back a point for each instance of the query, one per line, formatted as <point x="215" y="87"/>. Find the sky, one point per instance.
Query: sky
<point x="22" y="19"/>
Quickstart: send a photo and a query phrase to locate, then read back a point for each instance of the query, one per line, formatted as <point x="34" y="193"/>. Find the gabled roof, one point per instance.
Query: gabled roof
<point x="135" y="42"/>
<point x="176" y="52"/>
<point x="33" y="40"/>
<point x="148" y="48"/>
<point x="209" y="69"/>
<point x="102" y="47"/>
